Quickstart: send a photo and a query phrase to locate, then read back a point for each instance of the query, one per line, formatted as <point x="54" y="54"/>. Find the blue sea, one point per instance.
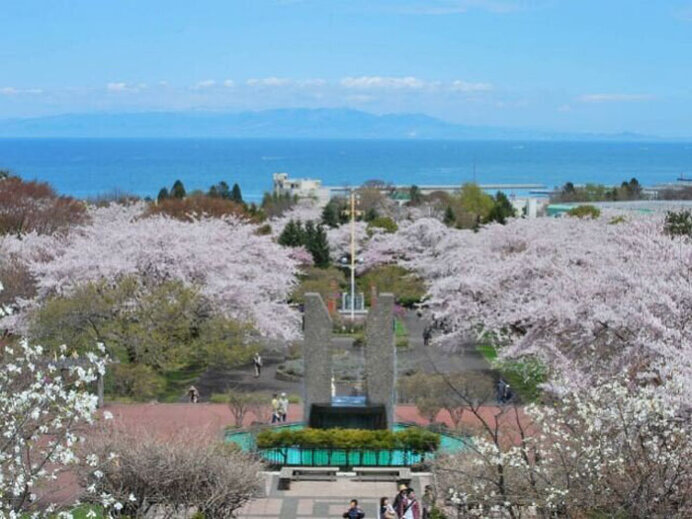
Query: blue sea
<point x="88" y="167"/>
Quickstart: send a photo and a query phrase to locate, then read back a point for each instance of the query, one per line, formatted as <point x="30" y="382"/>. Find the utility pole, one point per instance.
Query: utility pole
<point x="353" y="256"/>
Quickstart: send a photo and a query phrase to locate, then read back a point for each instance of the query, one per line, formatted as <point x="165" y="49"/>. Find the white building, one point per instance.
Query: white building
<point x="301" y="187"/>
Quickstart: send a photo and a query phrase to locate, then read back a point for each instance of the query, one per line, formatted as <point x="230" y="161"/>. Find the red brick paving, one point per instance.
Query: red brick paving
<point x="206" y="420"/>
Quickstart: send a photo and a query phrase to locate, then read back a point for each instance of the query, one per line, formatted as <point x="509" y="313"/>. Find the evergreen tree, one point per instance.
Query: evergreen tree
<point x="415" y="196"/>
<point x="370" y="215"/>
<point x="318" y="245"/>
<point x="223" y="190"/>
<point x="635" y="189"/>
<point x="502" y="209"/>
<point x="449" y="218"/>
<point x="330" y="215"/>
<point x="292" y="235"/>
<point x="163" y="195"/>
<point x="236" y="195"/>
<point x="178" y="190"/>
<point x="308" y="235"/>
<point x="213" y="192"/>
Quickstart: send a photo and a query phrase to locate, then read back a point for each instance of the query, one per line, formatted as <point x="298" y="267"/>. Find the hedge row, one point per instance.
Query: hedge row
<point x="412" y="438"/>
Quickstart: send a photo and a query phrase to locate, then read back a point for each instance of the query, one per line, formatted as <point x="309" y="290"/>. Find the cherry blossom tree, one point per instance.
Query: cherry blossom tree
<point x="589" y="298"/>
<point x="246" y="276"/>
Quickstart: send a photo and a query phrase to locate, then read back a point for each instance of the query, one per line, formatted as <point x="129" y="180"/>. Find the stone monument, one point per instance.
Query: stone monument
<point x="376" y="411"/>
<point x="380" y="355"/>
<point x="317" y="354"/>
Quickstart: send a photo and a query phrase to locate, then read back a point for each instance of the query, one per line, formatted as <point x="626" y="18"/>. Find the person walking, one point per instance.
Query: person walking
<point x="400" y="497"/>
<point x="276" y="417"/>
<point x="354" y="511"/>
<point x="507" y="394"/>
<point x="501" y="385"/>
<point x="409" y="507"/>
<point x="257" y="361"/>
<point x="427" y="335"/>
<point x="193" y="394"/>
<point x="386" y="510"/>
<point x="283" y="407"/>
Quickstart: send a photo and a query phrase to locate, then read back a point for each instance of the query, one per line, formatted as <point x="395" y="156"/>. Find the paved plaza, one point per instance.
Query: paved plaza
<point x="323" y="499"/>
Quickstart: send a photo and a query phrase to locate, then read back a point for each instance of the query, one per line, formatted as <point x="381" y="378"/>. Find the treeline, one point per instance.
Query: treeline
<point x="218" y="200"/>
<point x="628" y="190"/>
<point x="469" y="208"/>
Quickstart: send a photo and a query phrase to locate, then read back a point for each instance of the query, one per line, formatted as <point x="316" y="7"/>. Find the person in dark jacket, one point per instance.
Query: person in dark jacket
<point x="354" y="511"/>
<point x="400" y="496"/>
<point x="409" y="507"/>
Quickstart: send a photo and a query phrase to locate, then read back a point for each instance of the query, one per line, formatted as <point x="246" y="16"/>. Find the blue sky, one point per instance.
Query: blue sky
<point x="567" y="65"/>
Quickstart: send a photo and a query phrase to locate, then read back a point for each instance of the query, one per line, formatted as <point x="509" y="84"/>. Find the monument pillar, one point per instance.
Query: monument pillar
<point x="380" y="355"/>
<point x="317" y="354"/>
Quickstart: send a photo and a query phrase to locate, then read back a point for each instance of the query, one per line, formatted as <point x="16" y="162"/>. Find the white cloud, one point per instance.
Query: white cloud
<point x="269" y="81"/>
<point x="229" y="83"/>
<point x="312" y="82"/>
<point x="564" y="108"/>
<point x="413" y="83"/>
<point x="120" y="86"/>
<point x="466" y="86"/>
<point x="274" y="82"/>
<point x="201" y="85"/>
<point x="12" y="91"/>
<point x="375" y="82"/>
<point x="614" y="98"/>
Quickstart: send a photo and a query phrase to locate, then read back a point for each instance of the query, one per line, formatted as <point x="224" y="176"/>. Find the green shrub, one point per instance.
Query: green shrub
<point x="382" y="222"/>
<point x="134" y="380"/>
<point x="325" y="282"/>
<point x="412" y="438"/>
<point x="617" y="219"/>
<point x="678" y="223"/>
<point x="585" y="211"/>
<point x="406" y="286"/>
<point x="264" y="230"/>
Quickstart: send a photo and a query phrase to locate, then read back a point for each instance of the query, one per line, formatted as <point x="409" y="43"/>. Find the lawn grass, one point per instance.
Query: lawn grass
<point x="400" y="328"/>
<point x="400" y="334"/>
<point x="523" y="376"/>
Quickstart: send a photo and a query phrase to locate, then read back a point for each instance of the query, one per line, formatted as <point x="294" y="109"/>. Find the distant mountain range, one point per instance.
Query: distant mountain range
<point x="325" y="123"/>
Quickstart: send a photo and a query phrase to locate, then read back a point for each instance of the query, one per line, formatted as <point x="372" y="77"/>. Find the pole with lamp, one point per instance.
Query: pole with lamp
<point x="351" y="262"/>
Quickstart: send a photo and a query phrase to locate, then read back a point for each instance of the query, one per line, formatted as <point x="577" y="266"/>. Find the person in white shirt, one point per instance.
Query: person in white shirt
<point x="257" y="362"/>
<point x="283" y="407"/>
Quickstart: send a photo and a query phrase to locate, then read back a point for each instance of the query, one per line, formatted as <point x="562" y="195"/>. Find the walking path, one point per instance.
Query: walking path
<point x="323" y="499"/>
<point x="451" y="357"/>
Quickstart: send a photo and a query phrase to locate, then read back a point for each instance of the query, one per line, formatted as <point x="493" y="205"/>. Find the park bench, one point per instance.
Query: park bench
<point x="401" y="475"/>
<point x="288" y="474"/>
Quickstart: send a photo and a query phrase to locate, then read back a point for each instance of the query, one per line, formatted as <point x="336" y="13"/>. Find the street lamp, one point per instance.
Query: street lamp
<point x="351" y="264"/>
